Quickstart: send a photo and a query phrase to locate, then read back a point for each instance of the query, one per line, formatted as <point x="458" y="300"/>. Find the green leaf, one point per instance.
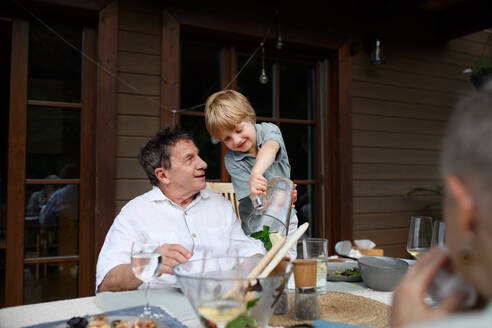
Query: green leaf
<point x="251" y="303"/>
<point x="243" y="321"/>
<point x="264" y="236"/>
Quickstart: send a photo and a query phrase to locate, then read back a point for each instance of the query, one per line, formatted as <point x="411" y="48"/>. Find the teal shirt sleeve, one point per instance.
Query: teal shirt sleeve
<point x="280" y="166"/>
<point x="239" y="170"/>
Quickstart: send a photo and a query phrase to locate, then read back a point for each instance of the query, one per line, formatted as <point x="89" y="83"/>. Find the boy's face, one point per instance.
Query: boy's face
<point x="242" y="138"/>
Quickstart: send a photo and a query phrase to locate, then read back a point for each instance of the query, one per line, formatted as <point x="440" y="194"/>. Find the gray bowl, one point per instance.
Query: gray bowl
<point x="381" y="272"/>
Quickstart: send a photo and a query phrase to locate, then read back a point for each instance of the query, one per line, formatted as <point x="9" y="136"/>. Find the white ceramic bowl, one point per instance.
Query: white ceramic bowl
<point x="382" y="273"/>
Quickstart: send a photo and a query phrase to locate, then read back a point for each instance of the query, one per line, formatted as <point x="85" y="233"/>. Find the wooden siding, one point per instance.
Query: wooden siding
<point x="399" y="114"/>
<point x="138" y="118"/>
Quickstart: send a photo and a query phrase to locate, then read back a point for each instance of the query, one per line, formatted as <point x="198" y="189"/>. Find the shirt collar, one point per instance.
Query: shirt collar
<point x="156" y="194"/>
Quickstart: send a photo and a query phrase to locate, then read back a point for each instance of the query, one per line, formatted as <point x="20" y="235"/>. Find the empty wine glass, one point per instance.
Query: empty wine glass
<point x="146" y="264"/>
<point x="419" y="235"/>
<point x="438" y="233"/>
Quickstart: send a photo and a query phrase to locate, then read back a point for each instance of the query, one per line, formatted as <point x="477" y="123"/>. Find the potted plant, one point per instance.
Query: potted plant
<point x="481" y="71"/>
<point x="438" y="190"/>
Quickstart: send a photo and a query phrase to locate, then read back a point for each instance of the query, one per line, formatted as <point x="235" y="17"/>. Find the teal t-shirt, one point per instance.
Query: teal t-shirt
<point x="240" y="164"/>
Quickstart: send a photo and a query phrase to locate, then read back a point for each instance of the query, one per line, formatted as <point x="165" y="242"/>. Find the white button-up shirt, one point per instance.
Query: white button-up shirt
<point x="207" y="225"/>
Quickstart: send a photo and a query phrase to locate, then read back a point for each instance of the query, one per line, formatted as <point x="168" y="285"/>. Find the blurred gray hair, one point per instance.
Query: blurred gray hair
<point x="467" y="144"/>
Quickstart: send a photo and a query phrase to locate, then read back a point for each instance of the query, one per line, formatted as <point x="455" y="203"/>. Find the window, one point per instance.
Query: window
<point x="47" y="166"/>
<point x="288" y="100"/>
<point x="195" y="88"/>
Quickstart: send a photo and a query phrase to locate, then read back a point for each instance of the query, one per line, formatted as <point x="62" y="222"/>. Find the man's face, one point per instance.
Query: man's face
<point x="187" y="173"/>
<point x="242" y="138"/>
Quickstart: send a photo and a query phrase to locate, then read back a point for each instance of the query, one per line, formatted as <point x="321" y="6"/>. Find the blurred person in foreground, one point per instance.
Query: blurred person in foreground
<point x="187" y="220"/>
<point x="466" y="166"/>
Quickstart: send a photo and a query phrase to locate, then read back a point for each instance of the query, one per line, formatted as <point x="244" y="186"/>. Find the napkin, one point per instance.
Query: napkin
<point x="331" y="324"/>
<point x="345" y="248"/>
<point x="364" y="243"/>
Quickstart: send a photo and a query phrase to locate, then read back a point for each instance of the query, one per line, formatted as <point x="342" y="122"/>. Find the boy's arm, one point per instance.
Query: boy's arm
<point x="264" y="159"/>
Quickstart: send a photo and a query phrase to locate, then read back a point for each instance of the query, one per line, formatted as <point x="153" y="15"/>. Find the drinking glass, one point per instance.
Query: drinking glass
<point x="146" y="264"/>
<point x="317" y="249"/>
<point x="438" y="233"/>
<point x="419" y="235"/>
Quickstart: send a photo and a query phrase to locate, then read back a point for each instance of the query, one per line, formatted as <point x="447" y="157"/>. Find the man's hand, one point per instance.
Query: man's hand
<point x="408" y="298"/>
<point x="257" y="184"/>
<point x="173" y="254"/>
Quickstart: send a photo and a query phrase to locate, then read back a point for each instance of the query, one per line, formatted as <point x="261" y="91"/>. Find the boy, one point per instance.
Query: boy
<point x="256" y="153"/>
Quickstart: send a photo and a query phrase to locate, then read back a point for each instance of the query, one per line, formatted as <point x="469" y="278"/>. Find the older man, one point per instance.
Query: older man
<point x="185" y="218"/>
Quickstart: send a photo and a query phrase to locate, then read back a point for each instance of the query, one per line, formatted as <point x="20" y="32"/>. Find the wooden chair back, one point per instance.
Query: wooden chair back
<point x="226" y="190"/>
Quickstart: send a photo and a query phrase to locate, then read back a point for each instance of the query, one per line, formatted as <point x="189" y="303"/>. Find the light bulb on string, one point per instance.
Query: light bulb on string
<point x="279" y="45"/>
<point x="263" y="77"/>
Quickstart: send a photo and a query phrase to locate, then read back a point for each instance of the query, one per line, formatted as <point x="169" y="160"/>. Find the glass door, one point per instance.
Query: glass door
<point x="46" y="171"/>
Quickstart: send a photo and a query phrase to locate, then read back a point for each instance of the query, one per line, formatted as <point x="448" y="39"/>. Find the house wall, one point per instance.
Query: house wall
<point x="138" y="114"/>
<point x="399" y="113"/>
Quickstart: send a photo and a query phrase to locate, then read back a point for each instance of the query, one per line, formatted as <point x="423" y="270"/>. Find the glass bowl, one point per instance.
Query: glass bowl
<point x="220" y="292"/>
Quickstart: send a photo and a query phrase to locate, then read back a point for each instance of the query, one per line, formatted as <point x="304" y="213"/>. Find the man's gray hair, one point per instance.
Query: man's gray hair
<point x="157" y="152"/>
<point x="467" y="144"/>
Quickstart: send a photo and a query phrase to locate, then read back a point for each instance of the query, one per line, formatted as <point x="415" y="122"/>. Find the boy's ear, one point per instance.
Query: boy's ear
<point x="161" y="175"/>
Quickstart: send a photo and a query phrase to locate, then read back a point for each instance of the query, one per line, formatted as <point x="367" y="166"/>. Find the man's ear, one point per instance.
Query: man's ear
<point x="465" y="205"/>
<point x="161" y="175"/>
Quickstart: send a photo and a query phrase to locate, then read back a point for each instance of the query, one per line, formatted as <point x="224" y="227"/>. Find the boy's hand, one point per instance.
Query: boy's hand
<point x="294" y="196"/>
<point x="257" y="184"/>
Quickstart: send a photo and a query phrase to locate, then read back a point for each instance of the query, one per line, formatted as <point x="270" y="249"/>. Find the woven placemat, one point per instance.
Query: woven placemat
<point x="341" y="307"/>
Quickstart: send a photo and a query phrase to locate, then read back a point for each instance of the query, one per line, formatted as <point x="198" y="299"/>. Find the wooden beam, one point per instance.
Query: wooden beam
<point x="106" y="123"/>
<point x="250" y="28"/>
<point x="345" y="141"/>
<point x="14" y="286"/>
<point x="92" y="5"/>
<point x="87" y="271"/>
<point x="170" y="68"/>
<point x="338" y="156"/>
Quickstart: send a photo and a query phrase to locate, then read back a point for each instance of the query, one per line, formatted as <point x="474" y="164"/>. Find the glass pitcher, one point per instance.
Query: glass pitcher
<point x="271" y="213"/>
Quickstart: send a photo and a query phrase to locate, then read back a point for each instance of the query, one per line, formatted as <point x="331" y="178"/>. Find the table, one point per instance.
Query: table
<point x="170" y="299"/>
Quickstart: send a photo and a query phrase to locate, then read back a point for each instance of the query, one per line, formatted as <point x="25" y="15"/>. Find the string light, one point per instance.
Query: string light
<point x="377" y="52"/>
<point x="279" y="45"/>
<point x="263" y="77"/>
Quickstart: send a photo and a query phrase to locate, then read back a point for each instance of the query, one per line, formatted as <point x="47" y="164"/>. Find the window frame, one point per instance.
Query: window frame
<point x="335" y="163"/>
<point x="15" y="260"/>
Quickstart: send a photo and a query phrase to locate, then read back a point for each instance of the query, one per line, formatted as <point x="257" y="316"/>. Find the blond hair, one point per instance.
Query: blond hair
<point x="225" y="109"/>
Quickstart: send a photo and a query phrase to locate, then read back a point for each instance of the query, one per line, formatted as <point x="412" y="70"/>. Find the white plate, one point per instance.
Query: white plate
<point x="111" y="318"/>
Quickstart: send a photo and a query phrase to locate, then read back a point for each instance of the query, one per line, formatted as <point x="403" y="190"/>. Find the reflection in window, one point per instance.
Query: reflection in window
<point x="200" y="74"/>
<point x="297" y="90"/>
<point x="45" y="282"/>
<point x="53" y="229"/>
<point x="260" y="95"/>
<point x="53" y="140"/>
<point x="54" y="66"/>
<point x="299" y="143"/>
<point x="209" y="152"/>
